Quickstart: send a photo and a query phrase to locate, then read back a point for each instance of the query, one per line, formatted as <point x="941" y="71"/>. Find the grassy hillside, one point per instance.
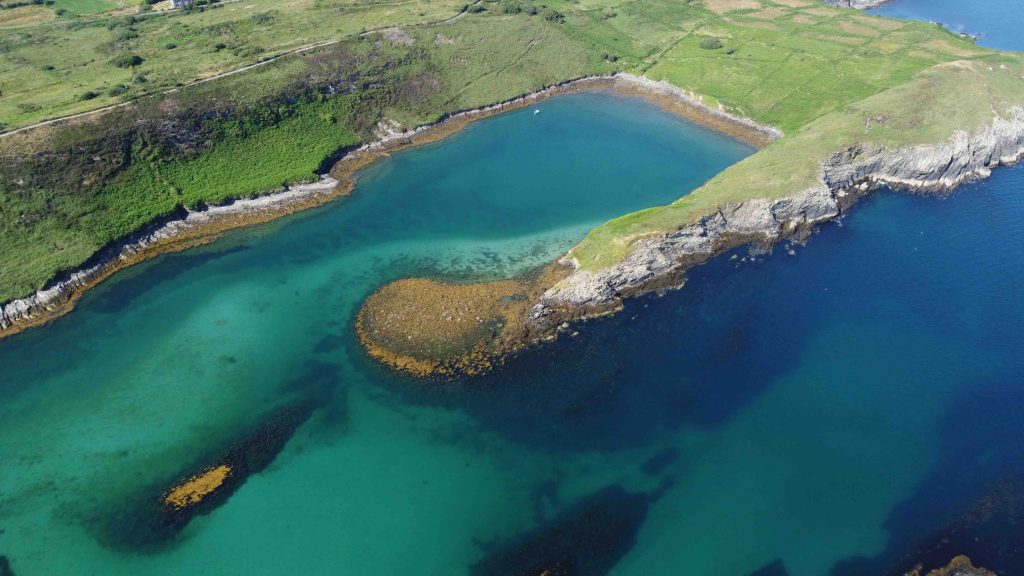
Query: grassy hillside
<point x="70" y="64"/>
<point x="68" y="189"/>
<point x="928" y="109"/>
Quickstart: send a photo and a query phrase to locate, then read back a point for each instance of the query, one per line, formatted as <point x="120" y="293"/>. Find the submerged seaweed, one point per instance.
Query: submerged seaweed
<point x="588" y="539"/>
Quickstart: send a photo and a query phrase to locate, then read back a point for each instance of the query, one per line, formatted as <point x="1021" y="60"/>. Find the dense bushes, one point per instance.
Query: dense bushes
<point x="127" y="61"/>
<point x="711" y="43"/>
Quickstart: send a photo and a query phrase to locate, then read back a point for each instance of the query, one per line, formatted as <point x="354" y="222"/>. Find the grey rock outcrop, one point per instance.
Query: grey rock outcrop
<point x="658" y="262"/>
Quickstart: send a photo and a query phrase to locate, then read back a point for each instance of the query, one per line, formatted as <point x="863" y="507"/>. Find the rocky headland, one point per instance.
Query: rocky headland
<point x="659" y="262"/>
<point x="844" y="177"/>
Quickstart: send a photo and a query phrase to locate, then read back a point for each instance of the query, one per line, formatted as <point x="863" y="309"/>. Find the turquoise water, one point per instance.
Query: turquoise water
<point x="170" y="363"/>
<point x="996" y="23"/>
<point x="829" y="410"/>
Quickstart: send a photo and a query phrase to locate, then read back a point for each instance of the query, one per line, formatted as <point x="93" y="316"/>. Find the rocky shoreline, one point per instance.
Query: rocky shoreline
<point x="858" y="4"/>
<point x="186" y="229"/>
<point x="659" y="263"/>
<point x="189" y="228"/>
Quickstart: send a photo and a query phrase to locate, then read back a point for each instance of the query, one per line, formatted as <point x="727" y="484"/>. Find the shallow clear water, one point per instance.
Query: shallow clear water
<point x="996" y="23"/>
<point x="836" y="403"/>
<point x="167" y="363"/>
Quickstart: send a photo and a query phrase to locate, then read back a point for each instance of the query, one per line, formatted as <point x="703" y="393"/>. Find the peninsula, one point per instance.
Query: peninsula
<point x="841" y="103"/>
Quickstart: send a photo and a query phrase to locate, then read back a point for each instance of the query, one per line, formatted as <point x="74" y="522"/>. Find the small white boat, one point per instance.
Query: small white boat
<point x="535" y="112"/>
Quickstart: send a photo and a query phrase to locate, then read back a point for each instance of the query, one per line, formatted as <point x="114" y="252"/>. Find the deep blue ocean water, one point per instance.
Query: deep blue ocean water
<point x="842" y="409"/>
<point x="996" y="23"/>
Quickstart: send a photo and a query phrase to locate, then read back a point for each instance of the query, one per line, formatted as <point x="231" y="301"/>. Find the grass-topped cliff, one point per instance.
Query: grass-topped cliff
<point x="68" y="189"/>
<point x="928" y="109"/>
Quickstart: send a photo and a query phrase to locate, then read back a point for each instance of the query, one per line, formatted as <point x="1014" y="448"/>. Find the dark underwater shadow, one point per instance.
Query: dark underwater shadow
<point x="688" y="358"/>
<point x="587" y="539"/>
<point x="150" y="520"/>
<point x="972" y="503"/>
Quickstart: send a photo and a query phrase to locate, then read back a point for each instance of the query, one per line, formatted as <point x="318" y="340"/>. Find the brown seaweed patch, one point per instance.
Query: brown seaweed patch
<point x="426" y="327"/>
<point x="153" y="517"/>
<point x="193" y="490"/>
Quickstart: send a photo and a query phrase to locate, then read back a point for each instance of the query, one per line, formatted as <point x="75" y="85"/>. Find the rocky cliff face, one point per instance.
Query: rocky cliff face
<point x="657" y="263"/>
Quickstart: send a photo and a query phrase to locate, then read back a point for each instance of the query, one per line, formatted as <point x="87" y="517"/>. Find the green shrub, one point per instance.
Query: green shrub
<point x="170" y="46"/>
<point x="511" y="7"/>
<point x="553" y="15"/>
<point x="263" y="18"/>
<point x="127" y="61"/>
<point x="126" y="35"/>
<point x="117" y="90"/>
<point x="711" y="43"/>
<point x="88" y="95"/>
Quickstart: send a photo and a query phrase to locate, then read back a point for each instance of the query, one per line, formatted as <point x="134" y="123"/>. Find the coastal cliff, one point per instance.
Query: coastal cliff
<point x="917" y="137"/>
<point x="657" y="263"/>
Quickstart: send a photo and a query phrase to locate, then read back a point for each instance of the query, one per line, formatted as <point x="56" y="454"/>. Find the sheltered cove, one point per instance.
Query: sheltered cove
<point x="190" y="228"/>
<point x="659" y="261"/>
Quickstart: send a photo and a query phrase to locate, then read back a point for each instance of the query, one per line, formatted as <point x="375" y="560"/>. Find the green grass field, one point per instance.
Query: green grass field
<point x="87" y="7"/>
<point x="37" y="83"/>
<point x="811" y="70"/>
<point x="928" y="109"/>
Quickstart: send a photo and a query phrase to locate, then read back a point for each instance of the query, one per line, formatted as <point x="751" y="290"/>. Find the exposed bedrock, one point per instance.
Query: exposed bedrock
<point x="658" y="262"/>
